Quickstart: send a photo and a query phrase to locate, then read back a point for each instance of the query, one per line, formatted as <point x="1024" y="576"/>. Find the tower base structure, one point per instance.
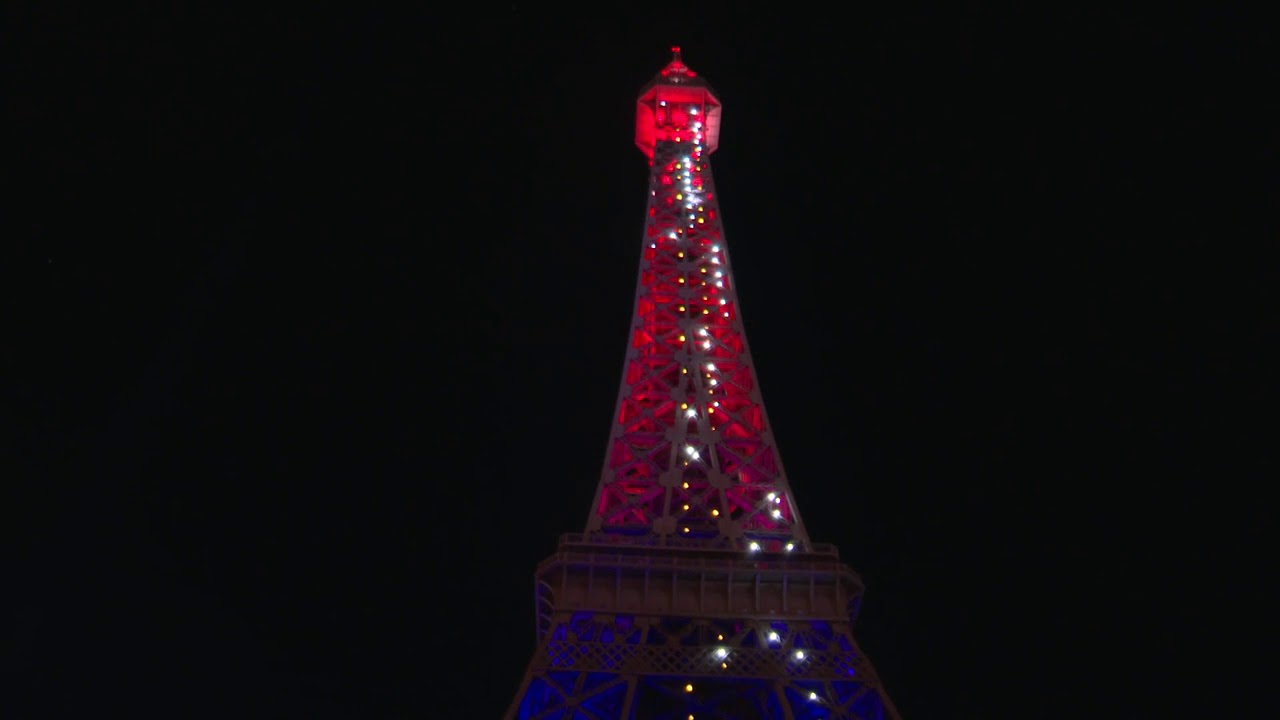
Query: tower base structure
<point x="636" y="633"/>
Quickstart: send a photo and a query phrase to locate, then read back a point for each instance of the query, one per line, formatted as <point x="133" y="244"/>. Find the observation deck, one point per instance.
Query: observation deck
<point x="694" y="582"/>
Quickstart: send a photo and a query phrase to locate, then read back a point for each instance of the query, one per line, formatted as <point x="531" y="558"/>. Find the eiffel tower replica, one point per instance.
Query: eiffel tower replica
<point x="694" y="591"/>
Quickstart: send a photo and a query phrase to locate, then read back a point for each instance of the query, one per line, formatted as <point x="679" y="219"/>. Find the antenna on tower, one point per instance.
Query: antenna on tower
<point x="675" y="54"/>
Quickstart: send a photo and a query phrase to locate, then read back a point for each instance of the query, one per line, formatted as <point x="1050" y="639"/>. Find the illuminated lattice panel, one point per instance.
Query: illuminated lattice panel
<point x="691" y="457"/>
<point x="694" y="665"/>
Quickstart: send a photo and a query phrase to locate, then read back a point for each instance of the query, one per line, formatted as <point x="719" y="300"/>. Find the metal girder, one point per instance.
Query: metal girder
<point x="609" y="666"/>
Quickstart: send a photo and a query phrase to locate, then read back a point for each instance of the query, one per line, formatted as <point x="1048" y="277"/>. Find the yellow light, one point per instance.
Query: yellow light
<point x="686" y="507"/>
<point x="684" y="371"/>
<point x="685" y="486"/>
<point x="719" y="637"/>
<point x="715" y="513"/>
<point x="706" y="311"/>
<point x="684" y="406"/>
<point x="679" y="196"/>
<point x="681" y="281"/>
<point x="681" y="338"/>
<point x="699" y="221"/>
<point x="681" y="308"/>
<point x="688" y="688"/>
<point x="710" y="410"/>
<point x="724" y="665"/>
<point x="686" y="529"/>
<point x="680" y="254"/>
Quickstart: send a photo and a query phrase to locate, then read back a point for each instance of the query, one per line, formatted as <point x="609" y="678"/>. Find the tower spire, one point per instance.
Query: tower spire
<point x="694" y="591"/>
<point x="691" y="459"/>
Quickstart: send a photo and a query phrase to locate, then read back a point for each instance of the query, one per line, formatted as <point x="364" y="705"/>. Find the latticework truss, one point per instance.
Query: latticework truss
<point x="604" y="667"/>
<point x="676" y="634"/>
<point x="691" y="460"/>
<point x="694" y="592"/>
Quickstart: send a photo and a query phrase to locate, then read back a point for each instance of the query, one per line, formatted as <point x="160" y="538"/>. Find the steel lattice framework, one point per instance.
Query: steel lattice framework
<point x="694" y="591"/>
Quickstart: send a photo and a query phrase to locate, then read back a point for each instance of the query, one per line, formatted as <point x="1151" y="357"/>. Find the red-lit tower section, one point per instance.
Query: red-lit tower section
<point x="691" y="460"/>
<point x="694" y="592"/>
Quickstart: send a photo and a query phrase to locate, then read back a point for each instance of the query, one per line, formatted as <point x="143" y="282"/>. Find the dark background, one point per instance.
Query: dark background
<point x="315" y="324"/>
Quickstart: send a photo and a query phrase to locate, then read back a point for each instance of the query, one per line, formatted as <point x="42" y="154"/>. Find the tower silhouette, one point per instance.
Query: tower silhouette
<point x="694" y="591"/>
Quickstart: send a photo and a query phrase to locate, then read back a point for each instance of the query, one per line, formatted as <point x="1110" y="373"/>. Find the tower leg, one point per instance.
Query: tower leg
<point x="630" y="698"/>
<point x="515" y="704"/>
<point x="782" y="702"/>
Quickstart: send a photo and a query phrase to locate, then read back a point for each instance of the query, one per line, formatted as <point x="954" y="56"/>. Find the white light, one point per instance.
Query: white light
<point x="711" y="367"/>
<point x="813" y="696"/>
<point x="718" y="283"/>
<point x="773" y="637"/>
<point x="777" y="500"/>
<point x="713" y="381"/>
<point x="663" y="103"/>
<point x="689" y="449"/>
<point x="653" y="245"/>
<point x="715" y="248"/>
<point x="754" y="546"/>
<point x="706" y="345"/>
<point x="719" y="274"/>
<point x="777" y="513"/>
<point x="721" y="653"/>
<point x="697" y="126"/>
<point x="672" y="235"/>
<point x="702" y="331"/>
<point x="791" y="546"/>
<point x="722" y="301"/>
<point x="693" y="110"/>
<point x="799" y="654"/>
<point x="771" y="496"/>
<point x="692" y="412"/>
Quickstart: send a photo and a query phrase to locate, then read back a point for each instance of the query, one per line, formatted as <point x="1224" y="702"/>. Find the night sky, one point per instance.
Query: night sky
<point x="316" y="322"/>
